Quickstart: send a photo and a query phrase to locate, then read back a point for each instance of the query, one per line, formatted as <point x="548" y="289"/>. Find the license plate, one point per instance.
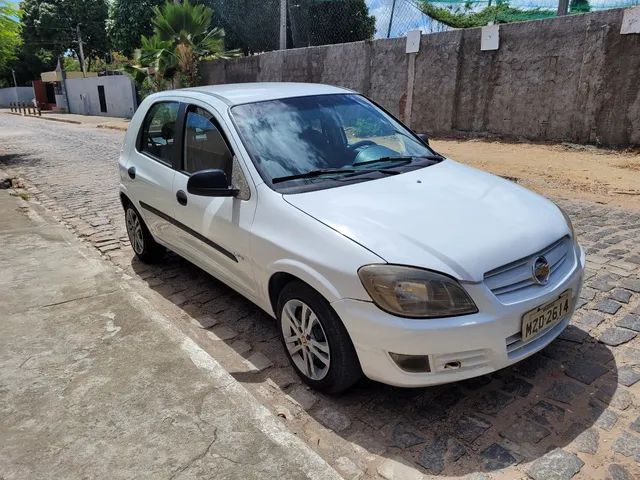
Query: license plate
<point x="545" y="316"/>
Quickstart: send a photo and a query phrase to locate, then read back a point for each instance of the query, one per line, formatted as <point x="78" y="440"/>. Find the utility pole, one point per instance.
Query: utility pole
<point x="63" y="80"/>
<point x="563" y="7"/>
<point x="393" y="9"/>
<point x="283" y="24"/>
<point x="84" y="73"/>
<point x="13" y="73"/>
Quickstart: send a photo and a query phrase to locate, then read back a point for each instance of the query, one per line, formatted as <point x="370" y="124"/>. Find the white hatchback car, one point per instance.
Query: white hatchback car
<point x="375" y="254"/>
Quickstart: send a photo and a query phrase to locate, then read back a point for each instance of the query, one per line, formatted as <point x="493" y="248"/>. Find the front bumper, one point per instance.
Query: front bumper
<point x="482" y="343"/>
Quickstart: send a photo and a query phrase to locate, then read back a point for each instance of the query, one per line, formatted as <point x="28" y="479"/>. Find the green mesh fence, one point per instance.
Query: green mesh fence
<point x="254" y="25"/>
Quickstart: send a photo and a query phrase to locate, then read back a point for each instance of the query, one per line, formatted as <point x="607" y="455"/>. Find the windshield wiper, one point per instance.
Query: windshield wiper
<point x="399" y="160"/>
<point x="350" y="172"/>
<point x="362" y="171"/>
<point x="313" y="173"/>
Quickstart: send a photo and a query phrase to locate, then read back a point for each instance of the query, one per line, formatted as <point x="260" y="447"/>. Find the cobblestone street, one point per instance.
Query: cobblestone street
<point x="571" y="411"/>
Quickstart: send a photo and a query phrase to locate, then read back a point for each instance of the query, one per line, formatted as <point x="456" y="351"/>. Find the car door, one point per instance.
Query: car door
<point x="217" y="229"/>
<point x="151" y="170"/>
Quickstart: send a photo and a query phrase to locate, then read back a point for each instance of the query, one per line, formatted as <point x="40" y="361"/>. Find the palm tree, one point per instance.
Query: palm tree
<point x="153" y="64"/>
<point x="182" y="39"/>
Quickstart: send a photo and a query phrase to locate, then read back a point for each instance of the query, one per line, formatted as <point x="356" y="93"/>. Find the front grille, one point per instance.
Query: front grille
<point x="516" y="348"/>
<point x="518" y="276"/>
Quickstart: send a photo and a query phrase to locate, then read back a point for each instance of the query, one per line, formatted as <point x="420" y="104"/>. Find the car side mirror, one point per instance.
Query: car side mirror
<point x="210" y="183"/>
<point x="424" y="138"/>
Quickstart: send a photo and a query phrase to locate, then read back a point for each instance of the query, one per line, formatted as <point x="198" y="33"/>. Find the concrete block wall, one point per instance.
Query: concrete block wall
<point x="16" y="94"/>
<point x="572" y="78"/>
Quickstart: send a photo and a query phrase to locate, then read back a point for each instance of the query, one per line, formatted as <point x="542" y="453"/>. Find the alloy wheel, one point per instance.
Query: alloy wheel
<point x="305" y="339"/>
<point x="134" y="230"/>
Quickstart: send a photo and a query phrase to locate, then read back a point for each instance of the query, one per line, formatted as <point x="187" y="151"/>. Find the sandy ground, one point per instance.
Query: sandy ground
<point x="561" y="171"/>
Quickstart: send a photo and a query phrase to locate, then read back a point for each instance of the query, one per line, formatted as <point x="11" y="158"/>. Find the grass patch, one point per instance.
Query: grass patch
<point x="23" y="195"/>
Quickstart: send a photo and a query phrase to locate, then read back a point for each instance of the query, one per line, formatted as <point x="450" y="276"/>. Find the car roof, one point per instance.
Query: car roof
<point x="238" y="93"/>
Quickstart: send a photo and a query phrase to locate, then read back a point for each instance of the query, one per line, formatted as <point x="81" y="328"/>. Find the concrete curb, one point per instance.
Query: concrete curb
<point x="45" y="118"/>
<point x="161" y="314"/>
<point x="75" y="122"/>
<point x="309" y="461"/>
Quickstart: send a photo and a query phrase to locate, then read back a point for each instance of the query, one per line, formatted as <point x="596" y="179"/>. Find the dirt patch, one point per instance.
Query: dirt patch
<point x="630" y="166"/>
<point x="564" y="170"/>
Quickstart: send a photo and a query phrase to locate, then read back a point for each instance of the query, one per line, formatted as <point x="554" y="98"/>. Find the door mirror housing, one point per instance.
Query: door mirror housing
<point x="424" y="137"/>
<point x="210" y="183"/>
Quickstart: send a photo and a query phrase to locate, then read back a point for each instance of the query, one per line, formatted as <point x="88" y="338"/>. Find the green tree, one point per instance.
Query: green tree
<point x="250" y="26"/>
<point x="128" y="21"/>
<point x="9" y="35"/>
<point x="579" y="6"/>
<point x="50" y="26"/>
<point x="324" y="22"/>
<point x="464" y="17"/>
<point x="254" y="26"/>
<point x="182" y="38"/>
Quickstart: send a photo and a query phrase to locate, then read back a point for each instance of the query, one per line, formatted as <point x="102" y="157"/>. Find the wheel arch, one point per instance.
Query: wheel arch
<point x="286" y="273"/>
<point x="124" y="200"/>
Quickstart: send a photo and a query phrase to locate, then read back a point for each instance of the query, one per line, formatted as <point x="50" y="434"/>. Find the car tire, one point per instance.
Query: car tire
<point x="315" y="340"/>
<point x="142" y="242"/>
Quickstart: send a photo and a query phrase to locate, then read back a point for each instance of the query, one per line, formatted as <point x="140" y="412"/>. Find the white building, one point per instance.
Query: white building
<point x="15" y="94"/>
<point x="111" y="96"/>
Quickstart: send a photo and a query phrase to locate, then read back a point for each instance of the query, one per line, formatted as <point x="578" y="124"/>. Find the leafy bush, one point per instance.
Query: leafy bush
<point x="502" y="12"/>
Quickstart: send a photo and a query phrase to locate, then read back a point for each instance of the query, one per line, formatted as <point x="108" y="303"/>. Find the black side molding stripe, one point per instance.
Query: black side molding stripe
<point x="190" y="231"/>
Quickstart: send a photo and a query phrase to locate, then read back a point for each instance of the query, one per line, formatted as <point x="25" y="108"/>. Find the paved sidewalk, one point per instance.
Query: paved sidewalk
<point x="96" y="383"/>
<point x="113" y="123"/>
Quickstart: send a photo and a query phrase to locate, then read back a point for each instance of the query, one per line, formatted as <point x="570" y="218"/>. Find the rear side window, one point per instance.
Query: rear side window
<point x="204" y="145"/>
<point x="159" y="131"/>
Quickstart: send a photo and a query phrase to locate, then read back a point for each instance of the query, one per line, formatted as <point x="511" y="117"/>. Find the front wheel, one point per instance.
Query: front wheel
<point x="315" y="340"/>
<point x="142" y="242"/>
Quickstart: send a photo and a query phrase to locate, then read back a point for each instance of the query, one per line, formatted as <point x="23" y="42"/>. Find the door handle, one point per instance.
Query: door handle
<point x="132" y="172"/>
<point x="182" y="197"/>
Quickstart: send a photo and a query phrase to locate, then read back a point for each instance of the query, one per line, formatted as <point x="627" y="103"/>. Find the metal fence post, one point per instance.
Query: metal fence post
<point x="283" y="25"/>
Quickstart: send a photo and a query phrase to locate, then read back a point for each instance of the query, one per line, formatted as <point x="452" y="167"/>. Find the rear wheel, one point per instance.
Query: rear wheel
<point x="142" y="242"/>
<point x="315" y="340"/>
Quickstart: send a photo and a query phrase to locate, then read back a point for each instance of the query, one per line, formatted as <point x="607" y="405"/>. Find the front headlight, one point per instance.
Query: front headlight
<point x="414" y="292"/>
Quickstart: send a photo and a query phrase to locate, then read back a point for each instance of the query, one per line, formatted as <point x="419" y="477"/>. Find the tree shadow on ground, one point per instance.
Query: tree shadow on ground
<point x="484" y="424"/>
<point x="11" y="159"/>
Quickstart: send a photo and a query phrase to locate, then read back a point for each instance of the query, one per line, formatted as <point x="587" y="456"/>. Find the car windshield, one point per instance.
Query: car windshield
<point x="315" y="139"/>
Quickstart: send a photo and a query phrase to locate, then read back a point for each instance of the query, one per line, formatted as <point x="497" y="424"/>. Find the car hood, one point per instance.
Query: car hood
<point x="447" y="217"/>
